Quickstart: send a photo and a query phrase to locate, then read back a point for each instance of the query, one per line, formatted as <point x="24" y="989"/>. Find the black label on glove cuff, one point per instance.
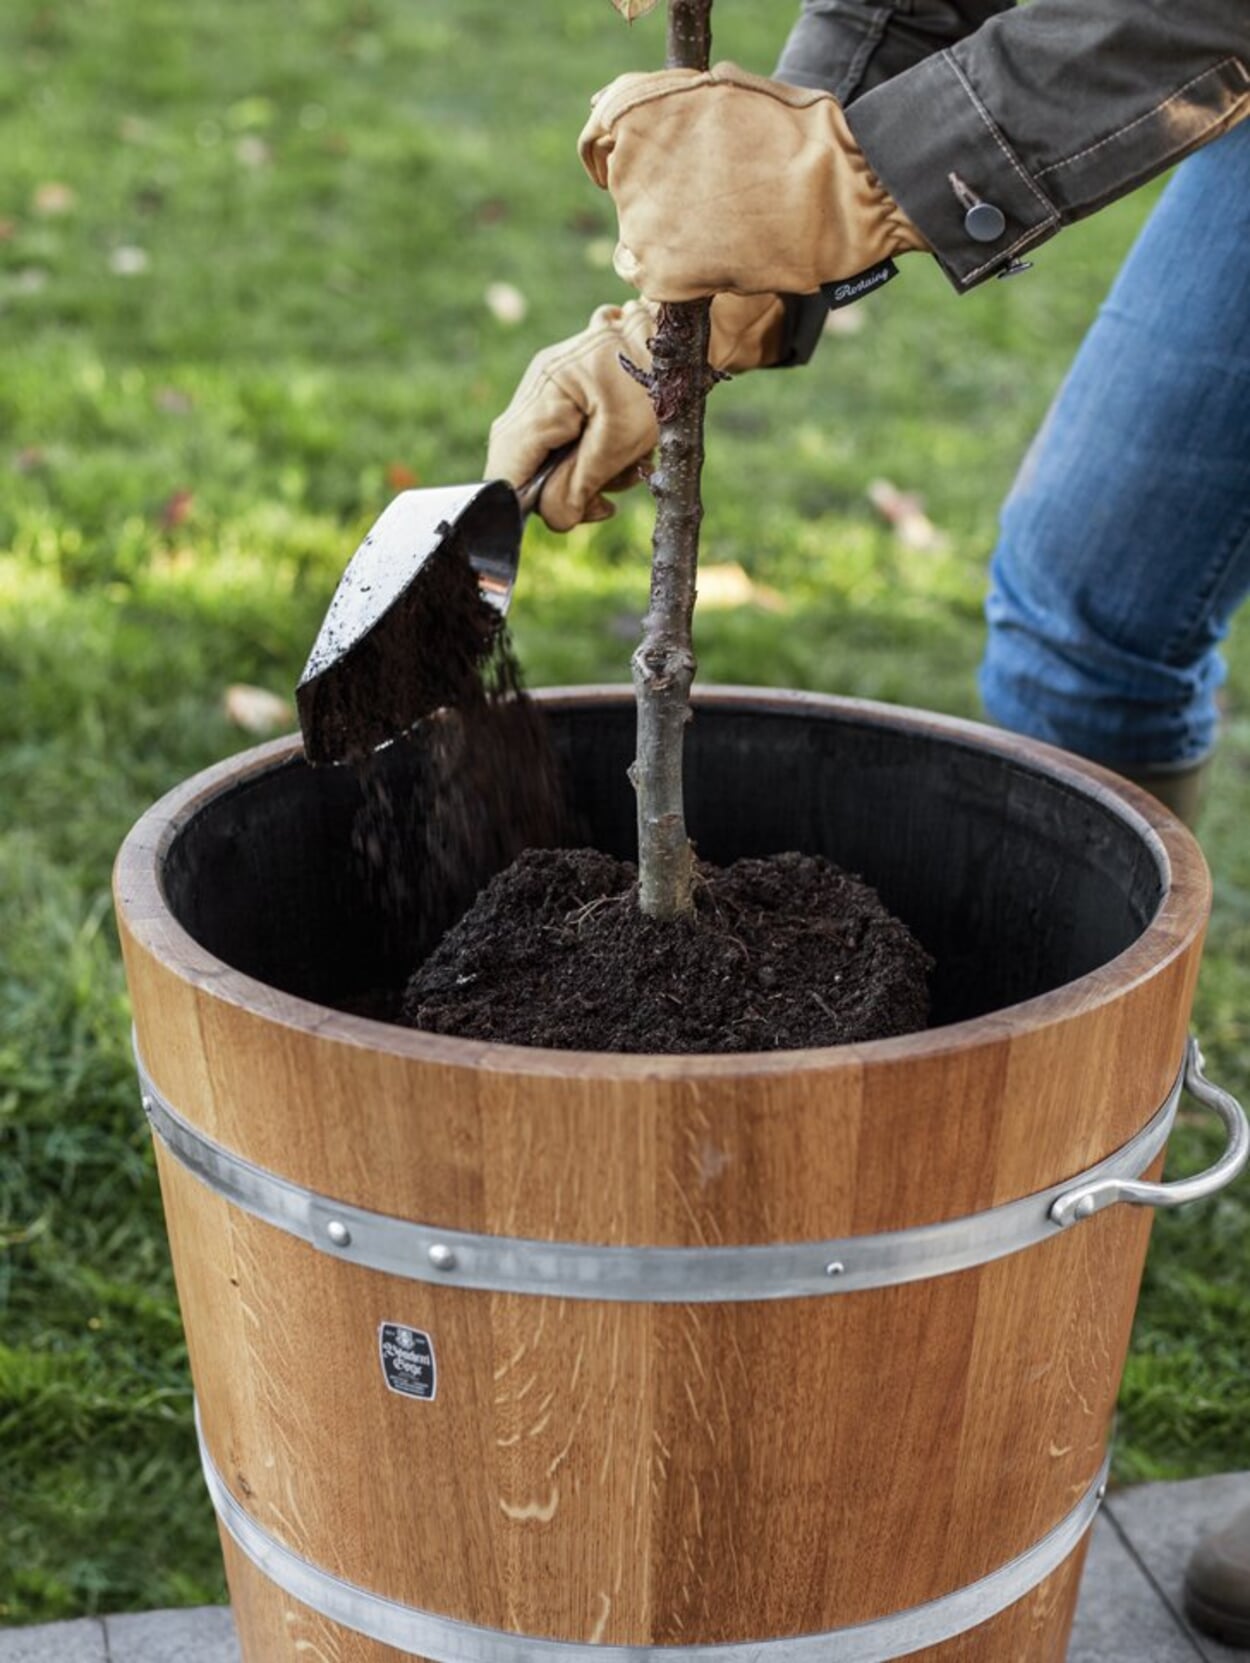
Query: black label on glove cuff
<point x="846" y="290"/>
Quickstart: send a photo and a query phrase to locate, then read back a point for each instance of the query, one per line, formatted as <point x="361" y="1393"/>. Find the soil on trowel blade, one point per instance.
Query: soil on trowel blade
<point x="426" y="651"/>
<point x="781" y="953"/>
<point x="466" y="629"/>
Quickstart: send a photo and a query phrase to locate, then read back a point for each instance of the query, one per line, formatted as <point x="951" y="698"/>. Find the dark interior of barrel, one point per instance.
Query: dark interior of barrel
<point x="1016" y="881"/>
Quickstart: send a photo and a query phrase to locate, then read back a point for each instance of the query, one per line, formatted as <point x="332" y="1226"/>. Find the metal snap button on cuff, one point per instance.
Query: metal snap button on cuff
<point x="1014" y="268"/>
<point x="985" y="223"/>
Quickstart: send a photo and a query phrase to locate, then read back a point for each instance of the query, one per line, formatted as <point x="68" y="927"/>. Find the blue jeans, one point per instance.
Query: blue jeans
<point x="1125" y="541"/>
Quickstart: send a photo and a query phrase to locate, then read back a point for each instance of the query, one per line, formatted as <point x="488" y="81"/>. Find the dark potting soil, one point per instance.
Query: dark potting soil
<point x="780" y="954"/>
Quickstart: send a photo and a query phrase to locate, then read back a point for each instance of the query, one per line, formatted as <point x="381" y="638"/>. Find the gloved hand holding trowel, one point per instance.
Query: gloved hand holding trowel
<point x="577" y="392"/>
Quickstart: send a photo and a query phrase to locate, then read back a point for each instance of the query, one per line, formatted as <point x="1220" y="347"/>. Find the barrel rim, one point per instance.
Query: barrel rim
<point x="146" y="915"/>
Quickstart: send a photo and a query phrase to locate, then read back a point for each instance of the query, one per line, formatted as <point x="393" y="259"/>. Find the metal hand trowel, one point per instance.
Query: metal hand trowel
<point x="391" y="648"/>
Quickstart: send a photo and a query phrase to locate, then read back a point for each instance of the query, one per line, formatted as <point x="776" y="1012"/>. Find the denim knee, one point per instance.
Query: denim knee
<point x="1049" y="672"/>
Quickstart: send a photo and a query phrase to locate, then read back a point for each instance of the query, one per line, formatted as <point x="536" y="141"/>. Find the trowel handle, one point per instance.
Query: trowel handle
<point x="529" y="493"/>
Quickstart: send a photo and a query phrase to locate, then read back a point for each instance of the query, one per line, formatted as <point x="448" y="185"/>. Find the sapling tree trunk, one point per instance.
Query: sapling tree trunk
<point x="664" y="663"/>
<point x="689" y="34"/>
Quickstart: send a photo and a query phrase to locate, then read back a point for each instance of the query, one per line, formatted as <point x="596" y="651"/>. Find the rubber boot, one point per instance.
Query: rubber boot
<point x="1180" y="789"/>
<point x="1217" y="1584"/>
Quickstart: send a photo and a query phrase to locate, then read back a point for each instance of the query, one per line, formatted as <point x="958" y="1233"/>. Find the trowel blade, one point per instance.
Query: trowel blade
<point x="485" y="519"/>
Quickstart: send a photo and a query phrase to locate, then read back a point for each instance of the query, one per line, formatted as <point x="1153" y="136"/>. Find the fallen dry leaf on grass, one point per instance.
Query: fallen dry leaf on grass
<point x="846" y="320"/>
<point x="252" y="151"/>
<point x="400" y="477"/>
<point x="506" y="302"/>
<point x="905" y="513"/>
<point x="176" y="509"/>
<point x="256" y="709"/>
<point x="54" y="198"/>
<point x="728" y="585"/>
<point x="172" y="401"/>
<point x="129" y="261"/>
<point x="134" y="129"/>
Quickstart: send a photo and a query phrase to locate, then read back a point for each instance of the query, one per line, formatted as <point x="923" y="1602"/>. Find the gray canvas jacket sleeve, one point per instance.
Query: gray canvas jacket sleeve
<point x="994" y="125"/>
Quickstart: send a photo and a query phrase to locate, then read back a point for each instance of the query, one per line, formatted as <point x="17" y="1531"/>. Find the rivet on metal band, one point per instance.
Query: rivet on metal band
<point x="446" y="1640"/>
<point x="647" y="1275"/>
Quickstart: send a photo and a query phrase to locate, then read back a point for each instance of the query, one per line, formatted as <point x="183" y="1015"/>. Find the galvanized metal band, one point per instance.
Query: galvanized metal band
<point x="446" y="1640"/>
<point x="645" y="1275"/>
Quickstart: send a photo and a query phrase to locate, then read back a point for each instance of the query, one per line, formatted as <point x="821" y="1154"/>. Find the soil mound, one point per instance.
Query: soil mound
<point x="780" y="954"/>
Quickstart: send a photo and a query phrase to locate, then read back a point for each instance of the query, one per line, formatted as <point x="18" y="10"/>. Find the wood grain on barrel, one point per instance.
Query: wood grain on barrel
<point x="664" y="1474"/>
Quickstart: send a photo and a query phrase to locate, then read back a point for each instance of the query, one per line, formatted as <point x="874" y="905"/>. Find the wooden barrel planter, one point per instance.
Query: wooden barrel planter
<point x="516" y="1356"/>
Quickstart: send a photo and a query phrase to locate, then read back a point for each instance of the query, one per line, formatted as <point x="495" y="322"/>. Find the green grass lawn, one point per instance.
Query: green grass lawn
<point x="243" y="256"/>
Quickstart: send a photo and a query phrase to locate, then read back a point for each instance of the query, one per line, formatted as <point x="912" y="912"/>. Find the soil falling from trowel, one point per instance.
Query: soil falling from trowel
<point x="479" y="781"/>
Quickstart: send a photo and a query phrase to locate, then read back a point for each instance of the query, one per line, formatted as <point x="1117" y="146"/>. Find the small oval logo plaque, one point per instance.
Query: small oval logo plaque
<point x="407" y="1360"/>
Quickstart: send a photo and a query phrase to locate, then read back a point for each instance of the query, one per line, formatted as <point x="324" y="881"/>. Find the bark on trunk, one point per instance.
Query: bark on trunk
<point x="689" y="34"/>
<point x="664" y="663"/>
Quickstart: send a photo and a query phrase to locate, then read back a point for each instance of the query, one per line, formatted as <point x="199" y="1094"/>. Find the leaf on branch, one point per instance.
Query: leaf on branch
<point x="632" y="10"/>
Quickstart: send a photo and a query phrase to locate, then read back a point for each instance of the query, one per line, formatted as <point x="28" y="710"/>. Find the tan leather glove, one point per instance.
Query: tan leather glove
<point x="727" y="181"/>
<point x="577" y="390"/>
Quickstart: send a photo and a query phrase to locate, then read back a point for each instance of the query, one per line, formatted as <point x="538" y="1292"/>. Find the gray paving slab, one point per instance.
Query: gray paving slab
<point x="79" y="1642"/>
<point x="201" y="1635"/>
<point x="1161" y="1524"/>
<point x="1121" y="1617"/>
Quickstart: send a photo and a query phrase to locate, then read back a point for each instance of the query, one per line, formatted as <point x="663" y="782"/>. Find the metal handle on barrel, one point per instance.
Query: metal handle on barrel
<point x="1087" y="1199"/>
